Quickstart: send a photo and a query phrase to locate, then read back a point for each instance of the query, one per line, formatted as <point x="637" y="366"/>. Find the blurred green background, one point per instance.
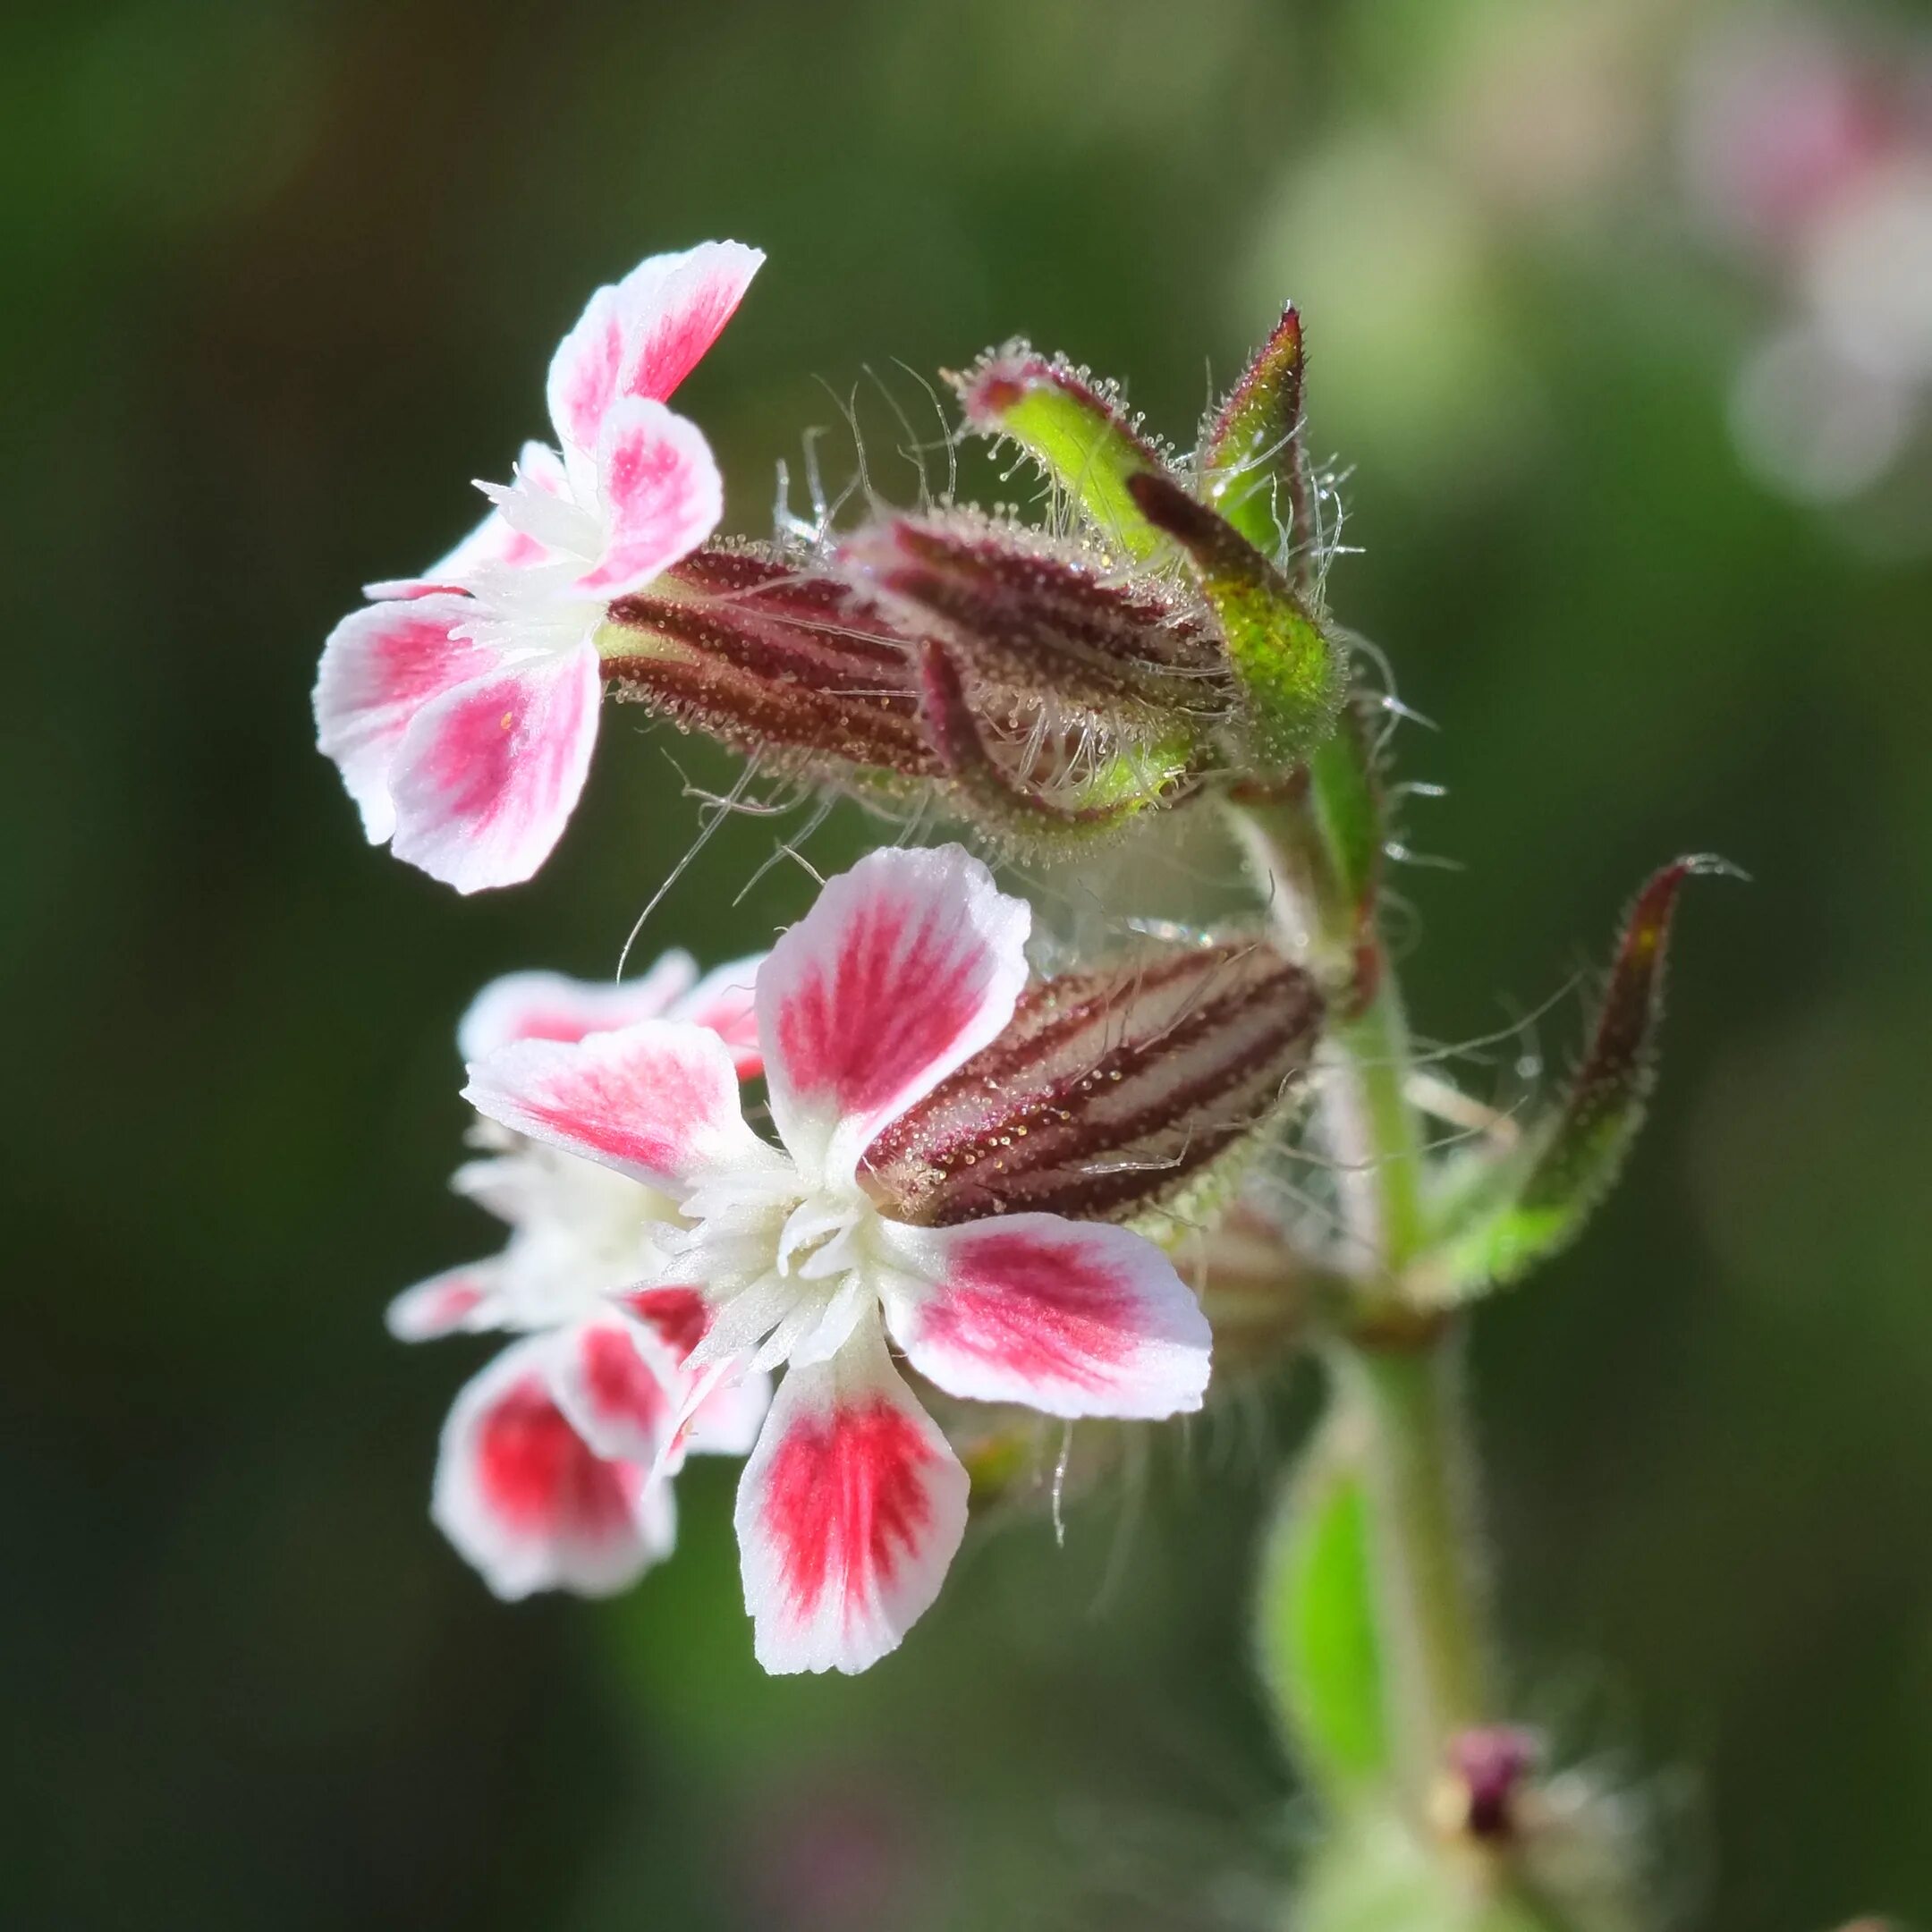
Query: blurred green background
<point x="282" y="278"/>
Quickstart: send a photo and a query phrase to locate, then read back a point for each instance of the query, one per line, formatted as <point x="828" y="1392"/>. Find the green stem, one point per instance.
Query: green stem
<point x="1372" y="1131"/>
<point x="1398" y="1371"/>
<point x="1422" y="1539"/>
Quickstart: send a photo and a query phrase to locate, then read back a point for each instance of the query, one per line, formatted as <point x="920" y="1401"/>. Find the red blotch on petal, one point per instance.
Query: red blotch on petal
<point x="539" y="1475"/>
<point x="845" y="1502"/>
<point x="416" y="660"/>
<point x="680" y="1315"/>
<point x="898" y="995"/>
<point x="598" y="1111"/>
<point x="558" y="1025"/>
<point x="688" y="301"/>
<point x="617" y="1381"/>
<point x="1049" y="1314"/>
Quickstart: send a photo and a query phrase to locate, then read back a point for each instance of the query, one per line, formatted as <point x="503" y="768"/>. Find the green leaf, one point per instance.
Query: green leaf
<point x="1288" y="674"/>
<point x="1321" y="1656"/>
<point x="1253" y="466"/>
<point x="1535" y="1201"/>
<point x="1075" y="430"/>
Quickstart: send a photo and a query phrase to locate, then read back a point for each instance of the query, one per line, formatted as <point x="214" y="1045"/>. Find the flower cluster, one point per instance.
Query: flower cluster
<point x="932" y="1114"/>
<point x="988" y="1193"/>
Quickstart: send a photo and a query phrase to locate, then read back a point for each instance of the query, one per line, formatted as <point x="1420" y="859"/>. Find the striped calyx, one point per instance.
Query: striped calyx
<point x="1109" y="1091"/>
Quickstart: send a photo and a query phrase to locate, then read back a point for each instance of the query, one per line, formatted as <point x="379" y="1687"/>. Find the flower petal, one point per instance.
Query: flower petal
<point x="657" y="1101"/>
<point x="728" y="1420"/>
<point x="524" y="1498"/>
<point x="582" y="383"/>
<point x="488" y="773"/>
<point x="617" y="1385"/>
<point x="907" y="965"/>
<point x="680" y="1315"/>
<point x="457" y="1302"/>
<point x="676" y="306"/>
<point x="849" y="1513"/>
<point x="725" y="1001"/>
<point x="548" y="1006"/>
<point x="643" y="338"/>
<point x="380" y="666"/>
<point x="660" y="492"/>
<point x="1068" y="1316"/>
<point x="495" y="544"/>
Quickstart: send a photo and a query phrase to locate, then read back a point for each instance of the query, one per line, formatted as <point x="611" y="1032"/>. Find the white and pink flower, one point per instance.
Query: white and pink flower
<point x="555" y="1462"/>
<point x="462" y="707"/>
<point x="852" y="1502"/>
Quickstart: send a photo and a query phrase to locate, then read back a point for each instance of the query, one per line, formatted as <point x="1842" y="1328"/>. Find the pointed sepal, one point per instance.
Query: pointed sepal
<point x="1290" y="672"/>
<point x="1533" y="1201"/>
<point x="1252" y="461"/>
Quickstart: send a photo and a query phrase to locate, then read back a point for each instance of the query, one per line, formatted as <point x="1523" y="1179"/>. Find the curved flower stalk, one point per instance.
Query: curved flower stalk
<point x="462" y="707"/>
<point x="554" y="1468"/>
<point x="895" y="1060"/>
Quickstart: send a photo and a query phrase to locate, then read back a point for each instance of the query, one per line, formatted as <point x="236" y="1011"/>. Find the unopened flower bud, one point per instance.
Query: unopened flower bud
<point x="1484" y="1781"/>
<point x="1045" y="619"/>
<point x="1077" y="431"/>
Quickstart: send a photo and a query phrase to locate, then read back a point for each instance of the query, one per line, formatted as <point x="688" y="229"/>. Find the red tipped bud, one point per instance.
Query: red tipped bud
<point x="1078" y="433"/>
<point x="1253" y="468"/>
<point x="1536" y="1200"/>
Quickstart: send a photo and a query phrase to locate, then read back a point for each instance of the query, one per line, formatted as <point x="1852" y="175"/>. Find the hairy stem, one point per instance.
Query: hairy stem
<point x="1421" y="1532"/>
<point x="1397" y="1372"/>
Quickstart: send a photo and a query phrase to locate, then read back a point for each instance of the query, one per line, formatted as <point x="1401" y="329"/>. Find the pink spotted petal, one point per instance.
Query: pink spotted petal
<point x="657" y="1101"/>
<point x="488" y="775"/>
<point x="725" y="1001"/>
<point x="644" y="335"/>
<point x="380" y="667"/>
<point x="849" y="1513"/>
<point x="457" y="1302"/>
<point x="547" y="1006"/>
<point x="661" y="495"/>
<point x="494" y="544"/>
<point x="907" y="965"/>
<point x="619" y="1387"/>
<point x="1071" y="1317"/>
<point x="524" y="1498"/>
<point x="676" y="305"/>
